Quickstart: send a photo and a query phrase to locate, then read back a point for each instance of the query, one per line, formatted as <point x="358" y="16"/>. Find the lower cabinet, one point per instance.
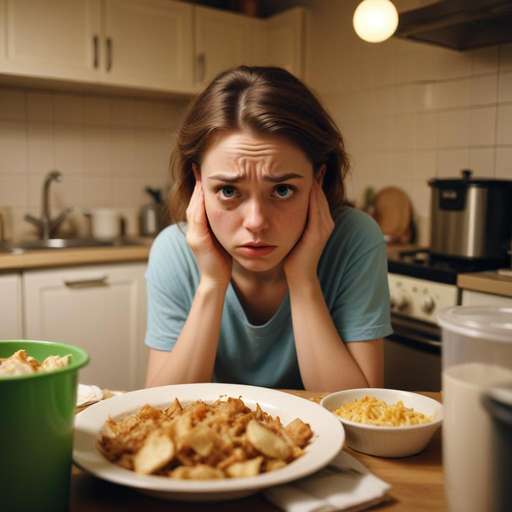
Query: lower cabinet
<point x="471" y="298"/>
<point x="101" y="309"/>
<point x="11" y="326"/>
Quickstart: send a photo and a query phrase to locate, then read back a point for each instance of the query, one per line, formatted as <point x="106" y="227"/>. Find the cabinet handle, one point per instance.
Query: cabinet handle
<point x="96" y="41"/>
<point x="93" y="281"/>
<point x="201" y="60"/>
<point x="109" y="54"/>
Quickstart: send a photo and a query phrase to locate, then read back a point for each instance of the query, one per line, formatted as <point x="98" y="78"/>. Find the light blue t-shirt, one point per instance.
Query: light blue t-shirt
<point x="353" y="276"/>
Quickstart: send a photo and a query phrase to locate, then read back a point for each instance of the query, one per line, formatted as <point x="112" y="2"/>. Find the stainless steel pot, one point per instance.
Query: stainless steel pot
<point x="471" y="217"/>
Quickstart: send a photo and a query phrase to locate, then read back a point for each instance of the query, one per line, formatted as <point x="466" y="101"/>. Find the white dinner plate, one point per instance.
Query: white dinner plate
<point x="327" y="440"/>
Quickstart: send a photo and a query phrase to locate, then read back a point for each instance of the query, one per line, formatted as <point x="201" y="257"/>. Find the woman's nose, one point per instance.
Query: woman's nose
<point x="256" y="218"/>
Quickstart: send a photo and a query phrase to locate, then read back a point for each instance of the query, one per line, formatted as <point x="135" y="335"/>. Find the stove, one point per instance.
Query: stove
<point x="420" y="284"/>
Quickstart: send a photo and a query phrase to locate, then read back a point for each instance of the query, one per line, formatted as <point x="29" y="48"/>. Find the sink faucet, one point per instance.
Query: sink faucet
<point x="45" y="224"/>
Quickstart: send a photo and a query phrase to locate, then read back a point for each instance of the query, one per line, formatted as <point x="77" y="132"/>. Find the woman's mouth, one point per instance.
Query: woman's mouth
<point x="256" y="249"/>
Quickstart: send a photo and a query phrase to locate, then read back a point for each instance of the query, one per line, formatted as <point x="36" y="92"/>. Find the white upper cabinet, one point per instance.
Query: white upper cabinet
<point x="148" y="44"/>
<point x="223" y="40"/>
<point x="53" y="38"/>
<point x="281" y="41"/>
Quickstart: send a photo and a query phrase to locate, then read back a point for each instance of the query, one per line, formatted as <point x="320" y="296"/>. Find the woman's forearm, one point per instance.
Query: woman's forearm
<point x="324" y="360"/>
<point x="193" y="357"/>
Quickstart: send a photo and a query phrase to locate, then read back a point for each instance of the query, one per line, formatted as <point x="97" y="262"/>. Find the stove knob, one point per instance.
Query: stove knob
<point x="427" y="304"/>
<point x="403" y="302"/>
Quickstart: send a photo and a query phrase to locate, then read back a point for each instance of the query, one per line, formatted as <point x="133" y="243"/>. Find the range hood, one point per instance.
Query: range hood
<point x="459" y="24"/>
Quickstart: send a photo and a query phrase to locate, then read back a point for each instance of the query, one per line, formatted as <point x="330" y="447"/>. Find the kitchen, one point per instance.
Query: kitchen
<point x="409" y="112"/>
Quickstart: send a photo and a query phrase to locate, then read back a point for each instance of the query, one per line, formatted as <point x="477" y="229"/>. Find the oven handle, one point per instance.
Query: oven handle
<point x="408" y="329"/>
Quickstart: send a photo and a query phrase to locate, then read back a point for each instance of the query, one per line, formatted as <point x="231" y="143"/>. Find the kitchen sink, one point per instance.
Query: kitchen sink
<point x="66" y="243"/>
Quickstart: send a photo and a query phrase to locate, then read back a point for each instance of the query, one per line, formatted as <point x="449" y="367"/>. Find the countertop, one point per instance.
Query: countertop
<point x="82" y="256"/>
<point x="417" y="484"/>
<point x="486" y="282"/>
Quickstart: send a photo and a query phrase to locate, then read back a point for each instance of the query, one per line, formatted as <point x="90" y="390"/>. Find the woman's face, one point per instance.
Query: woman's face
<point x="256" y="190"/>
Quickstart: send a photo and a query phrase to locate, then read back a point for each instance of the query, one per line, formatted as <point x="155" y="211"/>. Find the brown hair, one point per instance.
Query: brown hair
<point x="265" y="100"/>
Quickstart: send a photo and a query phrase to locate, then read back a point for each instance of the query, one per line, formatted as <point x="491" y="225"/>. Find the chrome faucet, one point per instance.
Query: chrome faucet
<point x="45" y="224"/>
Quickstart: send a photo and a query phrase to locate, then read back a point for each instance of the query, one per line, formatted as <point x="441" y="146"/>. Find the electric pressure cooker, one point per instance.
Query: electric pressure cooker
<point x="471" y="218"/>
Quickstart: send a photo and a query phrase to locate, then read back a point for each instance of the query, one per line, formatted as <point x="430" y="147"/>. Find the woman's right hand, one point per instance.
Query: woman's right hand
<point x="215" y="264"/>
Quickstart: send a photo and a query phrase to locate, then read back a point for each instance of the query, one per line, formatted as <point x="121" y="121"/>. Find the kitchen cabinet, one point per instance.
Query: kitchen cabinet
<point x="130" y="43"/>
<point x="100" y="308"/>
<point x="10" y="307"/>
<point x="472" y="298"/>
<point x="223" y="40"/>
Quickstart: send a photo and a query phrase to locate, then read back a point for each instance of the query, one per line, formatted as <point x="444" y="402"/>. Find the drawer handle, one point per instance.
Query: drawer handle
<point x="93" y="281"/>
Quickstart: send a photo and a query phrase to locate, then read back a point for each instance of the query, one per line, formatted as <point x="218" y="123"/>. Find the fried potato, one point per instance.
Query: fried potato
<point x="156" y="452"/>
<point x="267" y="442"/>
<point x="200" y="441"/>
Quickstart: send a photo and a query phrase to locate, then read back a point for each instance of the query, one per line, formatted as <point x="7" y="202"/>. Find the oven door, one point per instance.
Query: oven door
<point x="412" y="355"/>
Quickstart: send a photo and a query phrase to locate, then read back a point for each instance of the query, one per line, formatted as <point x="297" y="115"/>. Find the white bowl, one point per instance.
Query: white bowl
<point x="387" y="441"/>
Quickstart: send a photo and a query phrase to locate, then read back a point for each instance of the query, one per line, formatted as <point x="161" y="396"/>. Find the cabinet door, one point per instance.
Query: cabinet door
<point x="149" y="44"/>
<point x="98" y="308"/>
<point x="10" y="307"/>
<point x="223" y="40"/>
<point x="286" y="40"/>
<point x="470" y="298"/>
<point x="53" y="39"/>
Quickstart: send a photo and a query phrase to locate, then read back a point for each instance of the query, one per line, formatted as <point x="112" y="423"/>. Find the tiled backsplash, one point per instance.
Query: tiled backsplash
<point x="410" y="111"/>
<point x="107" y="149"/>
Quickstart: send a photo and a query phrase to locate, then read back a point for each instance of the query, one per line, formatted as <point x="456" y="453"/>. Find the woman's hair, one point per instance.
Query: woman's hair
<point x="259" y="100"/>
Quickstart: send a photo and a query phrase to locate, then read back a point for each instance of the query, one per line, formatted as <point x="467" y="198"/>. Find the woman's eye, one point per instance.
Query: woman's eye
<point x="227" y="192"/>
<point x="284" y="191"/>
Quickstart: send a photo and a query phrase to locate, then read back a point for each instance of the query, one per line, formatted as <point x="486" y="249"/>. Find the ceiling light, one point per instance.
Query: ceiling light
<point x="375" y="20"/>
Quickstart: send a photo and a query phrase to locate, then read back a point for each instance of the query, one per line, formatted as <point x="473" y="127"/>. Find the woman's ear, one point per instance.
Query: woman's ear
<point x="319" y="177"/>
<point x="197" y="173"/>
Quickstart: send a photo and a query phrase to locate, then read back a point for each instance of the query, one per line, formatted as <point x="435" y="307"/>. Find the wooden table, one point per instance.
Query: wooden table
<point x="417" y="485"/>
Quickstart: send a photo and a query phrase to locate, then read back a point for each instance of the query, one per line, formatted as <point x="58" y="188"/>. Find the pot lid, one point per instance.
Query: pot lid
<point x="467" y="181"/>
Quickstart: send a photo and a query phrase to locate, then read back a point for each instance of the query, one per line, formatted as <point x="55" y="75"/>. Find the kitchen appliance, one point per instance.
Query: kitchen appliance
<point x="105" y="223"/>
<point x="471" y="217"/>
<point x="459" y="24"/>
<point x="151" y="215"/>
<point x="420" y="284"/>
<point x="477" y="355"/>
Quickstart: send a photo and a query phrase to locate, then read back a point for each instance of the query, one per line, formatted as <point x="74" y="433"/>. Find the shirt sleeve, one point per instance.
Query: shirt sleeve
<point x="168" y="292"/>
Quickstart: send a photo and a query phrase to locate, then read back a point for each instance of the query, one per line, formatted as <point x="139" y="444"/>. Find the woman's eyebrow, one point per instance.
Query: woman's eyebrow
<point x="272" y="179"/>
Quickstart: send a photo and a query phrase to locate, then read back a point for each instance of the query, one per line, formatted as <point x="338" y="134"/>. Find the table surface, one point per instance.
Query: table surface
<point x="417" y="484"/>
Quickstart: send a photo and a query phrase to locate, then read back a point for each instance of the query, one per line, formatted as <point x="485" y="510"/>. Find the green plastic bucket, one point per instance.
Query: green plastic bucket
<point x="37" y="415"/>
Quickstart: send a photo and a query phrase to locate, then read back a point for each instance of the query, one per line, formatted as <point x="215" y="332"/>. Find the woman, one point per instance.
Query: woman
<point x="276" y="282"/>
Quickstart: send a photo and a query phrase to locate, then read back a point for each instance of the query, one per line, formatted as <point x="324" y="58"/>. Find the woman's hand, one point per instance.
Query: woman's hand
<point x="215" y="264"/>
<point x="301" y="263"/>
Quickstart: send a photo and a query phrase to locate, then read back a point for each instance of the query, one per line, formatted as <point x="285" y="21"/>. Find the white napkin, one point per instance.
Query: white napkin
<point x="87" y="395"/>
<point x="345" y="484"/>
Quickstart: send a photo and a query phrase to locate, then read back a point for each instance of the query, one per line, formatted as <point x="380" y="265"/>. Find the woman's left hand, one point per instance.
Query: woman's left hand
<point x="301" y="263"/>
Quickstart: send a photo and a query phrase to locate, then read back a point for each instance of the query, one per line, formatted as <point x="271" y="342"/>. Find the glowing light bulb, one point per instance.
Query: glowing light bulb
<point x="375" y="20"/>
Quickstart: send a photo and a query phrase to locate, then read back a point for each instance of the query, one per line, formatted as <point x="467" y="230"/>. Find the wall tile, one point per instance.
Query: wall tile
<point x="96" y="150"/>
<point x="425" y="130"/>
<point x="403" y="131"/>
<point x="424" y="169"/>
<point x="68" y="148"/>
<point x="402" y="175"/>
<point x="481" y="161"/>
<point x="96" y="110"/>
<point x="453" y="128"/>
<point x="504" y="124"/>
<point x="451" y="162"/>
<point x="40" y="148"/>
<point x="13" y="147"/>
<point x="381" y="133"/>
<point x="40" y="106"/>
<point x="504" y="163"/>
<point x="484" y="90"/>
<point x="454" y="94"/>
<point x="122" y="151"/>
<point x="453" y="64"/>
<point x="505" y="87"/>
<point x="12" y="104"/>
<point x="68" y="108"/>
<point x="483" y="127"/>
<point x="424" y="97"/>
<point x="96" y="191"/>
<point x="403" y="99"/>
<point x="123" y="112"/>
<point x="485" y="60"/>
<point x="123" y="190"/>
<point x="13" y="191"/>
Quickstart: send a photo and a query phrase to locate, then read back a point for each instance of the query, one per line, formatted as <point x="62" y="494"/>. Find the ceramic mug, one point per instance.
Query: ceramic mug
<point x="105" y="223"/>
